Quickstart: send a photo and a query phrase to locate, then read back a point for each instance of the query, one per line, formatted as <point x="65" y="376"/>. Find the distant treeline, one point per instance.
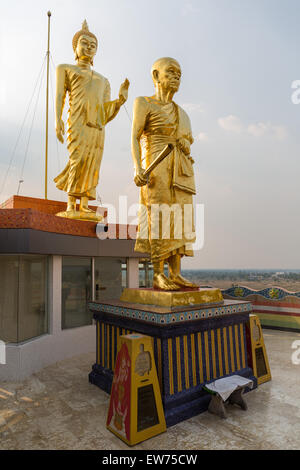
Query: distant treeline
<point x="235" y="275"/>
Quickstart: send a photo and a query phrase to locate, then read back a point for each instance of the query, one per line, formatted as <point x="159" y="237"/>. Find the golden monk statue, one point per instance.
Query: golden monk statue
<point x="90" y="110"/>
<point x="157" y="122"/>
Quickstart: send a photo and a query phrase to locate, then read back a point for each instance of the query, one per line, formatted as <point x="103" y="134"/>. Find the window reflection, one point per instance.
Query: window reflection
<point x="33" y="319"/>
<point x="76" y="291"/>
<point x="9" y="283"/>
<point x="145" y="273"/>
<point x="23" y="297"/>
<point x="110" y="277"/>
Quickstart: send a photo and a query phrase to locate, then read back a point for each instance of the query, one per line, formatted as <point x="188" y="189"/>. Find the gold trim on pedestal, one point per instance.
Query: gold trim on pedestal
<point x="172" y="298"/>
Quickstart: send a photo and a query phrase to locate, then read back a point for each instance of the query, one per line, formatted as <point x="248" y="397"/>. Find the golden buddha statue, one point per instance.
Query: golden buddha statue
<point x="157" y="122"/>
<point x="90" y="110"/>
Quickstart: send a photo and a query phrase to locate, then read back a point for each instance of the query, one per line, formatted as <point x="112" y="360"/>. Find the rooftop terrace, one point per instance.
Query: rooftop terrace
<point x="58" y="408"/>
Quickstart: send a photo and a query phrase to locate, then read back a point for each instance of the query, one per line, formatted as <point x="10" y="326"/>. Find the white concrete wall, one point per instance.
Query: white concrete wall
<point x="133" y="272"/>
<point x="31" y="356"/>
<point x="25" y="359"/>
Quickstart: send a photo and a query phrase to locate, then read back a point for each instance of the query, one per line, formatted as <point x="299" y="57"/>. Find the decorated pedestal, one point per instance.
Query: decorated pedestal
<point x="192" y="346"/>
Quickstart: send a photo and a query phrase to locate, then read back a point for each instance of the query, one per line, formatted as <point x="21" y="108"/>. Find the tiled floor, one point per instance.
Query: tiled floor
<point x="57" y="408"/>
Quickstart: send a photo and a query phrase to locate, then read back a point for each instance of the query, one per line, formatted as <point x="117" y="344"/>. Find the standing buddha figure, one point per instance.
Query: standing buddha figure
<point x="90" y="110"/>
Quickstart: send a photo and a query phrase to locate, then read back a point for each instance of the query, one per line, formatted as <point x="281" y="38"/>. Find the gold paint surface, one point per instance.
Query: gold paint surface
<point x="113" y="347"/>
<point x="193" y="360"/>
<point x="178" y="355"/>
<point x="90" y="109"/>
<point x="98" y="340"/>
<point x="220" y="352"/>
<point x="257" y="343"/>
<point x="170" y="366"/>
<point x="80" y="215"/>
<point x="200" y="358"/>
<point x="159" y="363"/>
<point x="107" y="346"/>
<point x="206" y="355"/>
<point x="137" y="372"/>
<point x="103" y="342"/>
<point x="226" y="350"/>
<point x="231" y="349"/>
<point x="237" y="346"/>
<point x="159" y="123"/>
<point x="243" y="345"/>
<point x="172" y="298"/>
<point x="186" y="362"/>
<point x="213" y="350"/>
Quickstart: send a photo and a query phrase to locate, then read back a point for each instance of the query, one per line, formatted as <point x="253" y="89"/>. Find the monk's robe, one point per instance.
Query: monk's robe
<point x="90" y="110"/>
<point x="171" y="182"/>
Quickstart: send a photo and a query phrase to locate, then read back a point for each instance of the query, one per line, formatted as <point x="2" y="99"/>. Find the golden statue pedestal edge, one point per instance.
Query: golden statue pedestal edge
<point x="161" y="298"/>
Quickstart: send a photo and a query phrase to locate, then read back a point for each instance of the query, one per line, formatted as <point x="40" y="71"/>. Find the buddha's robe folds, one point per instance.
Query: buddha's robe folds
<point x="90" y="110"/>
<point x="171" y="184"/>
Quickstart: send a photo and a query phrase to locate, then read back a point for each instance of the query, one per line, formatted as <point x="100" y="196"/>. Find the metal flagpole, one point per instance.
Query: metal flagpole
<point x="47" y="100"/>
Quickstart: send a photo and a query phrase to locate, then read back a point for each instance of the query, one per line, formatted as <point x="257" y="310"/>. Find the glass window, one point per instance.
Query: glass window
<point x="9" y="279"/>
<point x="124" y="275"/>
<point x="23" y="297"/>
<point x="33" y="279"/>
<point x="76" y="291"/>
<point x="145" y="274"/>
<point x="110" y="276"/>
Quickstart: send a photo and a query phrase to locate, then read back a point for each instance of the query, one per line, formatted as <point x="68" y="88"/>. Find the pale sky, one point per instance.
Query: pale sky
<point x="238" y="58"/>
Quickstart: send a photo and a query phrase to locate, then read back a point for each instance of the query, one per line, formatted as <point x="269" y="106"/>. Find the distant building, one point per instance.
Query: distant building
<point x="278" y="274"/>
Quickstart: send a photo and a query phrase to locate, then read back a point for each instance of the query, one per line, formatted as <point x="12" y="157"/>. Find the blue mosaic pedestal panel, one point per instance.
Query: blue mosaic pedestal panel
<point x="192" y="347"/>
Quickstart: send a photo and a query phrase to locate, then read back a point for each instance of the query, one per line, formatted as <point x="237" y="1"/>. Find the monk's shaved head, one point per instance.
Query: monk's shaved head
<point x="162" y="63"/>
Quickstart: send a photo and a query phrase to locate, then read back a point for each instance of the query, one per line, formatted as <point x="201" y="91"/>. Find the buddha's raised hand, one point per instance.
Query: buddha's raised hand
<point x="123" y="93"/>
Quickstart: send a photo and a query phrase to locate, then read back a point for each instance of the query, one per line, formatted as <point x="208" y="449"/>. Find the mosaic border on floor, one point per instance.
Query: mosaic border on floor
<point x="271" y="293"/>
<point x="173" y="317"/>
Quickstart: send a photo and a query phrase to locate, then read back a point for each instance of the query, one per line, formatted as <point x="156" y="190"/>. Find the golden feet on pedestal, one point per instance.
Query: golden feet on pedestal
<point x="161" y="282"/>
<point x="87" y="215"/>
<point x="86" y="210"/>
<point x="182" y="282"/>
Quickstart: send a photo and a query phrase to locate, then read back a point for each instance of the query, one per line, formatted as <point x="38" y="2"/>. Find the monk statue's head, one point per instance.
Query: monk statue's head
<point x="166" y="73"/>
<point x="85" y="44"/>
